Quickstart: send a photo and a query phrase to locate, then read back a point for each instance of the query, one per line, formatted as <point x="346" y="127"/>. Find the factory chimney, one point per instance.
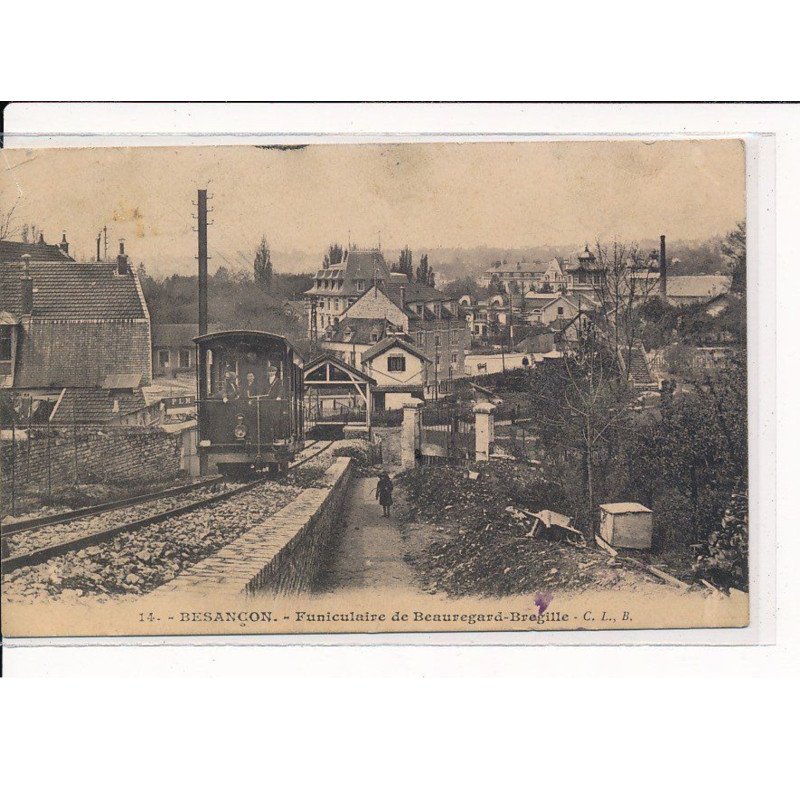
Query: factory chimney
<point x="662" y="269"/>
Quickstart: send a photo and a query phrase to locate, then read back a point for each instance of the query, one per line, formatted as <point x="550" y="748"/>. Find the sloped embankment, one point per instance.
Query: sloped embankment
<point x="483" y="549"/>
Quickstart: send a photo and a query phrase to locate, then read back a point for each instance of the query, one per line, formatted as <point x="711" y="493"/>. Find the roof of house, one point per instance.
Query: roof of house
<point x="707" y="286"/>
<point x="389" y="342"/>
<point x="12" y="252"/>
<point x="360" y="265"/>
<point x="323" y="358"/>
<point x="359" y="331"/>
<point x="69" y="290"/>
<point x="96" y="406"/>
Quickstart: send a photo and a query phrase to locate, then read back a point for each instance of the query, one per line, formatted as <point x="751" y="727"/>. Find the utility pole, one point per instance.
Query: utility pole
<point x="436" y="368"/>
<point x="202" y="260"/>
<point x="312" y="319"/>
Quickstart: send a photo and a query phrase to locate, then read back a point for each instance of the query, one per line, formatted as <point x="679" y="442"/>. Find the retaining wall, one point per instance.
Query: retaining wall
<point x="282" y="555"/>
<point x="90" y="455"/>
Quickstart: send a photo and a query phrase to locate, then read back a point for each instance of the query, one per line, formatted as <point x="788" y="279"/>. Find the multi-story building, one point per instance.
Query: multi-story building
<point x="432" y="321"/>
<point x="337" y="287"/>
<point x="584" y="274"/>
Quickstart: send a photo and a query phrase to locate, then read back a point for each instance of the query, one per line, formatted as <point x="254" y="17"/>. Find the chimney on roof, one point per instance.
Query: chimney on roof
<point x="403" y="296"/>
<point x="41" y="238"/>
<point x="26" y="285"/>
<point x="662" y="269"/>
<point x="64" y="245"/>
<point x="99" y="235"/>
<point x="123" y="267"/>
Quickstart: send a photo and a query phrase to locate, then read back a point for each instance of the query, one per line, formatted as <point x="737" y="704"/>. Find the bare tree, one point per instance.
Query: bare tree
<point x="7" y="226"/>
<point x="624" y="281"/>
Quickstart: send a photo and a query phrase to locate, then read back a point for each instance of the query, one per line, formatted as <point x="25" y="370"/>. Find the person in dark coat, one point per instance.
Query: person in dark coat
<point x="383" y="493"/>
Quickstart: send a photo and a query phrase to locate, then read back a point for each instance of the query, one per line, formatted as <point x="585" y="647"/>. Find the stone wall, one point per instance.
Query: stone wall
<point x="90" y="455"/>
<point x="389" y="439"/>
<point x="282" y="555"/>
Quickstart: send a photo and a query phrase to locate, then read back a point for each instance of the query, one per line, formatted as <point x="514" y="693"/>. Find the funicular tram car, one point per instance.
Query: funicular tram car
<point x="249" y="402"/>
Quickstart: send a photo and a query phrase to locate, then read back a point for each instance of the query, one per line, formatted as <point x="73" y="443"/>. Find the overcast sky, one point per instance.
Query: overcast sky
<point x="424" y="195"/>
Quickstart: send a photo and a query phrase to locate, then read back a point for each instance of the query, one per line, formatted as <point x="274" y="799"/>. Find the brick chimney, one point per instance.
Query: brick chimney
<point x="26" y="282"/>
<point x="662" y="269"/>
<point x="123" y="267"/>
<point x="64" y="244"/>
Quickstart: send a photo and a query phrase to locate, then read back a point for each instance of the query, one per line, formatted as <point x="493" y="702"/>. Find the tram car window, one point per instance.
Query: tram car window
<point x="250" y="401"/>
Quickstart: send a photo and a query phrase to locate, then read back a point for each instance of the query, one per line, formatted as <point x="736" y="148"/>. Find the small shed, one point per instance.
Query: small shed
<point x="627" y="525"/>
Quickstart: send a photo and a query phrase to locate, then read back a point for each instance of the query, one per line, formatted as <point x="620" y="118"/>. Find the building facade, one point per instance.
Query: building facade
<point x="66" y="324"/>
<point x="337" y="287"/>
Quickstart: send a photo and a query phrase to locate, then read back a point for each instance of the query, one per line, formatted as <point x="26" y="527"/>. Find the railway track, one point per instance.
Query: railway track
<point x="39" y="555"/>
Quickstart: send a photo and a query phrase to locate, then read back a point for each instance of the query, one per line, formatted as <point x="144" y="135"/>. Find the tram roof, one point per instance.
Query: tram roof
<point x="245" y="334"/>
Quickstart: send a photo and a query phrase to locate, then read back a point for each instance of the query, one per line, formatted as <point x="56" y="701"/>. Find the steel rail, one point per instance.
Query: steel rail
<point x="42" y="554"/>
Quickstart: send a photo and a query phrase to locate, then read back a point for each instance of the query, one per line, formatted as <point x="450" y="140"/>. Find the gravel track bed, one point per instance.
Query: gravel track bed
<point x="136" y="562"/>
<point x="26" y="541"/>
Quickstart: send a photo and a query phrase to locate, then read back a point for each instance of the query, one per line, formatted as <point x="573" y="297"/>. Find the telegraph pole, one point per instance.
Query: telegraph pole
<point x="202" y="260"/>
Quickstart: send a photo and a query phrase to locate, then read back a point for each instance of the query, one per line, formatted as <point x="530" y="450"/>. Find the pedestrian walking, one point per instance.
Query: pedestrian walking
<point x="383" y="493"/>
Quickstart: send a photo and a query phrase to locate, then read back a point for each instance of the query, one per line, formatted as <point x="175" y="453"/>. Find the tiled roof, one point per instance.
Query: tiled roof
<point x="12" y="252"/>
<point x="71" y="290"/>
<point x="359" y="331"/>
<point x="360" y="265"/>
<point x="96" y="406"/>
<point x="392" y="341"/>
<point x="706" y="286"/>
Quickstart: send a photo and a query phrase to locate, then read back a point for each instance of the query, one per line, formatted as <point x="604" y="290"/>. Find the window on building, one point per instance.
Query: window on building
<point x="163" y="358"/>
<point x="560" y="311"/>
<point x="454" y="358"/>
<point x="397" y="363"/>
<point x="5" y="343"/>
<point x="183" y="358"/>
<point x="361" y="285"/>
<point x="421" y="338"/>
<point x="453" y="337"/>
<point x="437" y="340"/>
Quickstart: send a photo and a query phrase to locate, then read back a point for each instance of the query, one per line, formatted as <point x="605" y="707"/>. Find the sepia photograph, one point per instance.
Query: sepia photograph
<point x="380" y="387"/>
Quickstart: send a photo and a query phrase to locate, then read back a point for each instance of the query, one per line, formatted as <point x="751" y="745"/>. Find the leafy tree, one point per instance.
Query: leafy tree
<point x="496" y="285"/>
<point x="513" y="287"/>
<point x="734" y="251"/>
<point x="405" y="264"/>
<point x="335" y="255"/>
<point x="262" y="264"/>
<point x="462" y="286"/>
<point x="424" y="274"/>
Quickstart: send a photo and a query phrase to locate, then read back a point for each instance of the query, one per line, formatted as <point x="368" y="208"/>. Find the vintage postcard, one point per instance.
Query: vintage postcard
<point x="387" y="387"/>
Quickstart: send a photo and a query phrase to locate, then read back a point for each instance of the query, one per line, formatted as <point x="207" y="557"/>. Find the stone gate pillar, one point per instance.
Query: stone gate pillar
<point x="410" y="433"/>
<point x="484" y="431"/>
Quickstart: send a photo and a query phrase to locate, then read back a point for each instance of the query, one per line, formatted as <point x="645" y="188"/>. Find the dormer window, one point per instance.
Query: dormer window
<point x="5" y="343"/>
